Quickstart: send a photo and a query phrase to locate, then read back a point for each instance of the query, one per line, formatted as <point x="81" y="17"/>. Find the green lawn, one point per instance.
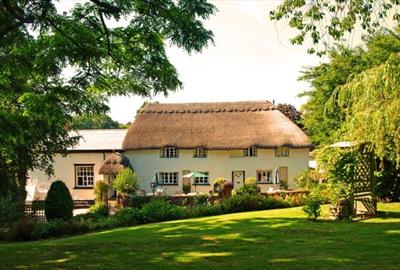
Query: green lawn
<point x="274" y="239"/>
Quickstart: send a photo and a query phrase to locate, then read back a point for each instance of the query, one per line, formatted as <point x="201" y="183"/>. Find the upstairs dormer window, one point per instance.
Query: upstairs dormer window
<point x="169" y="152"/>
<point x="250" y="152"/>
<point x="200" y="152"/>
<point x="282" y="151"/>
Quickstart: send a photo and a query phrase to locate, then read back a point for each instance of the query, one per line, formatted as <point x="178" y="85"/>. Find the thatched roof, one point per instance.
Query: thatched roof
<point x="221" y="125"/>
<point x="113" y="164"/>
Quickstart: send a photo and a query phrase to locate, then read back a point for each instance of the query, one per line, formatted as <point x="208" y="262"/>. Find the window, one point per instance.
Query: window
<point x="282" y="152"/>
<point x="169" y="178"/>
<point x="84" y="175"/>
<point x="250" y="152"/>
<point x="202" y="180"/>
<point x="264" y="176"/>
<point x="200" y="152"/>
<point x="169" y="152"/>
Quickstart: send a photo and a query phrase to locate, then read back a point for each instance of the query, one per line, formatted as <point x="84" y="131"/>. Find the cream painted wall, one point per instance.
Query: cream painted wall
<point x="219" y="163"/>
<point x="64" y="170"/>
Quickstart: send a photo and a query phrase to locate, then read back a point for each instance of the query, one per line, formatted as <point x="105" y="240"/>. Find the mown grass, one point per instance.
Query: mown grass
<point x="272" y="239"/>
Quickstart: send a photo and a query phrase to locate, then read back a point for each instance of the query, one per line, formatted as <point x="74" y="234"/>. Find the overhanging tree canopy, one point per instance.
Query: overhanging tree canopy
<point x="111" y="47"/>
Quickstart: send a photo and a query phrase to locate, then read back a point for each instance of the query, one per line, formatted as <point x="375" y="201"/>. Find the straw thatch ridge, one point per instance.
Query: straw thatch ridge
<point x="219" y="125"/>
<point x="114" y="163"/>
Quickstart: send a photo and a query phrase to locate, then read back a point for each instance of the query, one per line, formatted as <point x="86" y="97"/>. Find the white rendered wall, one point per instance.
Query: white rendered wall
<point x="219" y="163"/>
<point x="64" y="170"/>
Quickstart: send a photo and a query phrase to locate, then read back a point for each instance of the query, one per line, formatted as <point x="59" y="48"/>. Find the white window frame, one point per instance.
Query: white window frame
<point x="169" y="152"/>
<point x="84" y="172"/>
<point x="169" y="178"/>
<point x="266" y="177"/>
<point x="250" y="152"/>
<point x="202" y="180"/>
<point x="282" y="151"/>
<point x="200" y="152"/>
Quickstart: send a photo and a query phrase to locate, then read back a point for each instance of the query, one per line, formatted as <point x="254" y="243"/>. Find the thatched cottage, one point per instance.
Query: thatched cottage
<point x="234" y="140"/>
<point x="97" y="156"/>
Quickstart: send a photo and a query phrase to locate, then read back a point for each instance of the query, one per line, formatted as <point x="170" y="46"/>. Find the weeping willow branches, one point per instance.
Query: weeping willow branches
<point x="371" y="103"/>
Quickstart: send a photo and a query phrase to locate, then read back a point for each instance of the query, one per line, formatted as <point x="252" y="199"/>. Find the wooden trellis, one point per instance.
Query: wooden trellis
<point x="364" y="198"/>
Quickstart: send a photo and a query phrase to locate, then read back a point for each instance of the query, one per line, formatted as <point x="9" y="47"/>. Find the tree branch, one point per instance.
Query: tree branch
<point x="106" y="7"/>
<point x="106" y="31"/>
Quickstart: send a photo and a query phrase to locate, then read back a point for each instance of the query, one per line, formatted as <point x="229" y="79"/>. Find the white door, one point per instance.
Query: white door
<point x="237" y="179"/>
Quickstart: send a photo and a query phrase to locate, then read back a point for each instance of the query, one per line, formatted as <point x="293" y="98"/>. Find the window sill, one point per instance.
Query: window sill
<point x="199" y="157"/>
<point x="201" y="184"/>
<point x="169" y="157"/>
<point x="83" y="188"/>
<point x="169" y="184"/>
<point x="263" y="182"/>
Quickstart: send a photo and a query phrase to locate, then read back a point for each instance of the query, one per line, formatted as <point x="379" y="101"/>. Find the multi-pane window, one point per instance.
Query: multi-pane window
<point x="282" y="151"/>
<point x="204" y="180"/>
<point x="250" y="152"/>
<point x="169" y="152"/>
<point x="264" y="176"/>
<point x="169" y="178"/>
<point x="84" y="175"/>
<point x="200" y="152"/>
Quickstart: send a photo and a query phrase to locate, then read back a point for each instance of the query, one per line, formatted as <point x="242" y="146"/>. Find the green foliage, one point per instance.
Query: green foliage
<point x="101" y="192"/>
<point x="126" y="182"/>
<point x="161" y="210"/>
<point x="137" y="201"/>
<point x="250" y="202"/>
<point x="309" y="179"/>
<point x="202" y="200"/>
<point x="99" y="210"/>
<point x="98" y="121"/>
<point x="312" y="206"/>
<point x="10" y="210"/>
<point x="23" y="230"/>
<point x="387" y="182"/>
<point x="38" y="43"/>
<point x="129" y="216"/>
<point x="328" y="22"/>
<point x="58" y="203"/>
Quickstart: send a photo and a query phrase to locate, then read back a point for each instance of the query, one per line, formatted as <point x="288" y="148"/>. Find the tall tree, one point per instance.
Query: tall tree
<point x="99" y="121"/>
<point x="328" y="22"/>
<point x="38" y="43"/>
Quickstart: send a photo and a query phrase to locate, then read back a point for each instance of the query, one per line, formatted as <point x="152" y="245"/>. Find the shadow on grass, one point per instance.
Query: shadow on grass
<point x="221" y="242"/>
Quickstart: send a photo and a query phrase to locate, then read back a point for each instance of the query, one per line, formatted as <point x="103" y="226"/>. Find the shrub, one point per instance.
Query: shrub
<point x="202" y="200"/>
<point x="218" y="185"/>
<point x="10" y="210"/>
<point x="206" y="210"/>
<point x="23" y="230"/>
<point x="160" y="210"/>
<point x="249" y="187"/>
<point x="126" y="182"/>
<point x="249" y="202"/>
<point x="101" y="192"/>
<point x="60" y="227"/>
<point x="137" y="201"/>
<point x="129" y="216"/>
<point x="313" y="206"/>
<point x="186" y="188"/>
<point x="58" y="203"/>
<point x="100" y="210"/>
<point x="308" y="179"/>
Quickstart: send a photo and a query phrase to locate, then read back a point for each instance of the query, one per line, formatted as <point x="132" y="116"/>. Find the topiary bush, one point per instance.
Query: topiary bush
<point x="58" y="203"/>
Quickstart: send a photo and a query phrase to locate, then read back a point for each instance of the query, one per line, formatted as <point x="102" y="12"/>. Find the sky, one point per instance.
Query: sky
<point x="252" y="59"/>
